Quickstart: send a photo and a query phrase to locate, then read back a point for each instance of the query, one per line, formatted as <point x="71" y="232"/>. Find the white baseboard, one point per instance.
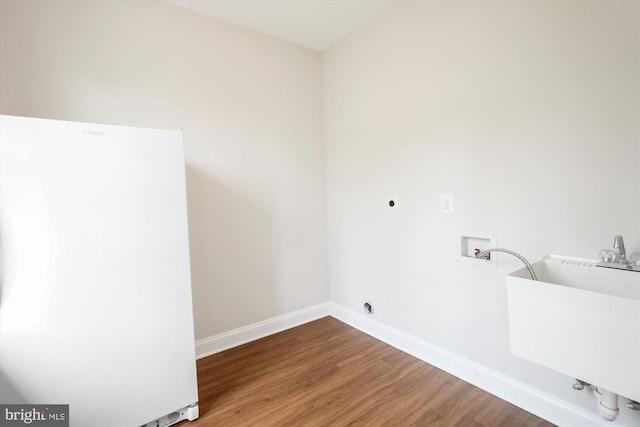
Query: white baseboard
<point x="217" y="343"/>
<point x="537" y="402"/>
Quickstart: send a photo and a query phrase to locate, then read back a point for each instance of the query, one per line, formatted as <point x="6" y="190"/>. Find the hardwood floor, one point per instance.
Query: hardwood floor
<point x="326" y="373"/>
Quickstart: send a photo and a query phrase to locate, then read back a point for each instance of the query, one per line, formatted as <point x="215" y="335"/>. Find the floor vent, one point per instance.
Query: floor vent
<point x="173" y="417"/>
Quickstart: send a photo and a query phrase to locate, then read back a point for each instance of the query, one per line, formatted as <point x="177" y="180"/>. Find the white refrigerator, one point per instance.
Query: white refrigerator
<point x="95" y="290"/>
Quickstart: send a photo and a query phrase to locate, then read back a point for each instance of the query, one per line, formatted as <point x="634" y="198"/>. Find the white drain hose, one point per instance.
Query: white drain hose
<point x="607" y="403"/>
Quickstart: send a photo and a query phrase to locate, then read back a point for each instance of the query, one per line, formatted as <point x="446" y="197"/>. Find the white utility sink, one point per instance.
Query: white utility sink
<point x="580" y="320"/>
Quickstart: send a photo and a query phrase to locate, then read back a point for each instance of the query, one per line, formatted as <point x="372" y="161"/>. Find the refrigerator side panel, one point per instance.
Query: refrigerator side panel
<point x="95" y="298"/>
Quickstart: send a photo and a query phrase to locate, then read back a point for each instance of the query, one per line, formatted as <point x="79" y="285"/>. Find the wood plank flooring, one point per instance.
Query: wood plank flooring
<point x="326" y="374"/>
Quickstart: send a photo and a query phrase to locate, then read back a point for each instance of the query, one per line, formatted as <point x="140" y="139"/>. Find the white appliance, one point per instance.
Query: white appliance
<point x="95" y="290"/>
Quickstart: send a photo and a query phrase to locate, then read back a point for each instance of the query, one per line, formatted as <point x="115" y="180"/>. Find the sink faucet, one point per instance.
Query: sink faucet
<point x="618" y="243"/>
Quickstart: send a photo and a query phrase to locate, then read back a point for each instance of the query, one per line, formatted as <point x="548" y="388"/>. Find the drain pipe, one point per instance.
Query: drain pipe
<point x="607" y="403"/>
<point x="510" y="252"/>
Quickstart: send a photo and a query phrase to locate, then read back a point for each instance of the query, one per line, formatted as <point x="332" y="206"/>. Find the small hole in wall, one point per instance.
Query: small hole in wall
<point x="391" y="201"/>
<point x="368" y="307"/>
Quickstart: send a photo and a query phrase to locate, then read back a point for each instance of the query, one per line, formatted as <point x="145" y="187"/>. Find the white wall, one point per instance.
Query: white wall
<point x="251" y="111"/>
<point x="527" y="112"/>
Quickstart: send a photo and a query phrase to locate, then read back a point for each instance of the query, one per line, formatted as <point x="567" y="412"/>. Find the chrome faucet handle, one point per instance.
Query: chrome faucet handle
<point x="618" y="243"/>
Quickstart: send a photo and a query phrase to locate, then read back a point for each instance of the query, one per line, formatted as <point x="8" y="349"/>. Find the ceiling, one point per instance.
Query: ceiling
<point x="316" y="24"/>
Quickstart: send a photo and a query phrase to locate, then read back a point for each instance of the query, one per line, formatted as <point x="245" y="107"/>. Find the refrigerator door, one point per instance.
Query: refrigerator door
<point x="95" y="291"/>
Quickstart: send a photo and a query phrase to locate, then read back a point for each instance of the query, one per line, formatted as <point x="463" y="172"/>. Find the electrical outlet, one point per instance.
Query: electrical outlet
<point x="446" y="203"/>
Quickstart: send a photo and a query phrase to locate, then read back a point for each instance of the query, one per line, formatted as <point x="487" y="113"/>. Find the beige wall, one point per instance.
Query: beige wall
<point x="527" y="112"/>
<point x="250" y="109"/>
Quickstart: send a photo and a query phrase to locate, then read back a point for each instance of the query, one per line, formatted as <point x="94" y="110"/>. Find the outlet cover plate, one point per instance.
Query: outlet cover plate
<point x="446" y="203"/>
